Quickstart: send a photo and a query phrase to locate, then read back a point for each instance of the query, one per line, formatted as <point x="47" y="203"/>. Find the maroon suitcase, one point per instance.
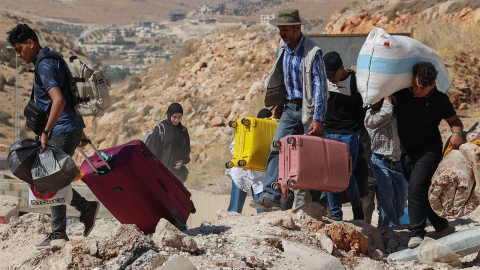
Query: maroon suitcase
<point x="316" y="163"/>
<point x="137" y="188"/>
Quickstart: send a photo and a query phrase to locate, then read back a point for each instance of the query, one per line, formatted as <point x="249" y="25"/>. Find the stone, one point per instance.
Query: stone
<point x="177" y="262"/>
<point x="167" y="235"/>
<point x="367" y="264"/>
<point x="9" y="207"/>
<point x="326" y="242"/>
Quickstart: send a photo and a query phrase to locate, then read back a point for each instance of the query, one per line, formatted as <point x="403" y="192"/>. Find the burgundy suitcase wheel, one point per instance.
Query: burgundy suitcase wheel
<point x="245" y="122"/>
<point x="232" y="124"/>
<point x="242" y="163"/>
<point x="290" y="182"/>
<point x="291" y="140"/>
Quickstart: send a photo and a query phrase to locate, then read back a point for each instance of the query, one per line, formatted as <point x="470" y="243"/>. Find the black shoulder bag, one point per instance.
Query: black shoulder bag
<point x="36" y="118"/>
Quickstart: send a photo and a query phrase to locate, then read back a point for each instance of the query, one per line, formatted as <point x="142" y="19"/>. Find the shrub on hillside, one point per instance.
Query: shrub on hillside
<point x="457" y="6"/>
<point x="411" y="7"/>
<point x="4" y="117"/>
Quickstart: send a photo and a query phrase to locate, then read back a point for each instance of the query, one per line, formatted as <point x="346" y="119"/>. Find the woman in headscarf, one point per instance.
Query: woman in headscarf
<point x="170" y="142"/>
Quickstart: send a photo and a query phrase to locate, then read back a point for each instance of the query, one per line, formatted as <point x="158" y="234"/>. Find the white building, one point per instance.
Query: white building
<point x="265" y="19"/>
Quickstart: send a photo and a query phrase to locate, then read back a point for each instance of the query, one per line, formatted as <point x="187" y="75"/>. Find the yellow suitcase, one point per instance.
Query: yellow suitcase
<point x="253" y="137"/>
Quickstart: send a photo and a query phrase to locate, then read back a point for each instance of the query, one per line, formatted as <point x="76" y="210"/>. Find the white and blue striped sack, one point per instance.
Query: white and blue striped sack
<point x="384" y="65"/>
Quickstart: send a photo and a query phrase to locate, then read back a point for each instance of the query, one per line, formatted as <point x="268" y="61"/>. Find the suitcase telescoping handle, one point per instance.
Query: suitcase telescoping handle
<point x="103" y="170"/>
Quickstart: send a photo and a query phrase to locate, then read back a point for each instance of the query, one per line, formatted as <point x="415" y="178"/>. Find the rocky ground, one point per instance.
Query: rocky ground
<point x="295" y="239"/>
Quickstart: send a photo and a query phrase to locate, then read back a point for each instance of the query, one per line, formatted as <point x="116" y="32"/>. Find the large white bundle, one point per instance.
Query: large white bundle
<point x="384" y="65"/>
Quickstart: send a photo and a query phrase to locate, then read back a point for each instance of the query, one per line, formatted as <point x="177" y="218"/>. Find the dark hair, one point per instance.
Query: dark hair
<point x="425" y="72"/>
<point x="21" y="34"/>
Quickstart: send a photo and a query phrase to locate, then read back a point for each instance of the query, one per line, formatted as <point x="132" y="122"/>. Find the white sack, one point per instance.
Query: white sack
<point x="384" y="65"/>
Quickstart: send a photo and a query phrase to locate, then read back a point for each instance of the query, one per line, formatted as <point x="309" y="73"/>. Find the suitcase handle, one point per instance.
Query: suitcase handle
<point x="103" y="170"/>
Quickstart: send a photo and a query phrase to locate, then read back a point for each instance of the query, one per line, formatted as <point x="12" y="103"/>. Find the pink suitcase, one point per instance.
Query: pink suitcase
<point x="136" y="188"/>
<point x="316" y="163"/>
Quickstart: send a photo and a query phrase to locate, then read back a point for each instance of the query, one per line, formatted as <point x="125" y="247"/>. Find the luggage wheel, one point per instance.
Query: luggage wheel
<point x="276" y="185"/>
<point x="277" y="144"/>
<point x="290" y="182"/>
<point x="291" y="140"/>
<point x="180" y="226"/>
<point x="229" y="165"/>
<point x="193" y="210"/>
<point x="232" y="124"/>
<point x="245" y="122"/>
<point x="242" y="163"/>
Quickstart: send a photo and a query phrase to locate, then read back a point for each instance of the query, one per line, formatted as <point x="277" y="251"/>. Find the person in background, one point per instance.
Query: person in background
<point x="420" y="109"/>
<point x="64" y="128"/>
<point x="368" y="202"/>
<point x="244" y="180"/>
<point x="291" y="52"/>
<point x="170" y="142"/>
<point x="381" y="124"/>
<point x="343" y="120"/>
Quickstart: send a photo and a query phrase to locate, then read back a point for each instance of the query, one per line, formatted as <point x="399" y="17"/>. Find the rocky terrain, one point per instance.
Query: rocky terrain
<point x="295" y="239"/>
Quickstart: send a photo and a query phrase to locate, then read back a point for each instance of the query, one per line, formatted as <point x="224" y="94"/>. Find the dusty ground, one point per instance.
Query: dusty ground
<point x="280" y="240"/>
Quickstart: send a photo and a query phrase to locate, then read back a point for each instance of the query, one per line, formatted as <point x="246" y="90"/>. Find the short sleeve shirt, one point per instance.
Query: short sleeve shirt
<point x="52" y="73"/>
<point x="418" y="119"/>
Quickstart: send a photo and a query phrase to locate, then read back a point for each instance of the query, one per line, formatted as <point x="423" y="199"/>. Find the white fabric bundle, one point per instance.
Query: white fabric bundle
<point x="384" y="65"/>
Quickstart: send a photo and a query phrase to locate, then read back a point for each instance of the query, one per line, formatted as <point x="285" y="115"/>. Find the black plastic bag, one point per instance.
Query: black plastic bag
<point x="53" y="170"/>
<point x="20" y="158"/>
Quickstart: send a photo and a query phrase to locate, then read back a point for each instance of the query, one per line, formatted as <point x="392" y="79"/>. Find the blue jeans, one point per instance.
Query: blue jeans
<point x="290" y="117"/>
<point x="392" y="190"/>
<point x="67" y="142"/>
<point x="237" y="199"/>
<point x="335" y="198"/>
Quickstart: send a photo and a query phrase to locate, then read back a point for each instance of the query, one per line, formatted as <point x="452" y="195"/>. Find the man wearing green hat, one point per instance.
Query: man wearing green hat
<point x="299" y="73"/>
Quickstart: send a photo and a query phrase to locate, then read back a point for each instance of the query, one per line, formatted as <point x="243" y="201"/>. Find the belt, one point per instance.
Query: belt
<point x="390" y="162"/>
<point x="295" y="101"/>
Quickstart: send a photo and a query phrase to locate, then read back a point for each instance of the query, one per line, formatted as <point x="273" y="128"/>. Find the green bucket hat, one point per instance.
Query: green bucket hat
<point x="287" y="17"/>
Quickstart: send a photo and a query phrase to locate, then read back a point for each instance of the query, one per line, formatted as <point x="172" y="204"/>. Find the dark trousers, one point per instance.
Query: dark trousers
<point x="368" y="202"/>
<point x="418" y="169"/>
<point x="67" y="142"/>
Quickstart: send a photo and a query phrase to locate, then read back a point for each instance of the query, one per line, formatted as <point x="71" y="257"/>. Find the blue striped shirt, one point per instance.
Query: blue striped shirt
<point x="292" y="74"/>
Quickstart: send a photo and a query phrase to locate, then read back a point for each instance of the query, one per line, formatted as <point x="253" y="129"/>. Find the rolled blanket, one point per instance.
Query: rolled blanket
<point x="450" y="193"/>
<point x="472" y="152"/>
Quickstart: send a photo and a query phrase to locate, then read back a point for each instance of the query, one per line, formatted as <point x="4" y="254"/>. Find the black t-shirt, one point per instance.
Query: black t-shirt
<point x="345" y="113"/>
<point x="418" y="119"/>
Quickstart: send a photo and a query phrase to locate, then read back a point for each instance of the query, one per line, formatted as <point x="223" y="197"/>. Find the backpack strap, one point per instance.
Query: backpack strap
<point x="161" y="131"/>
<point x="353" y="85"/>
<point x="72" y="80"/>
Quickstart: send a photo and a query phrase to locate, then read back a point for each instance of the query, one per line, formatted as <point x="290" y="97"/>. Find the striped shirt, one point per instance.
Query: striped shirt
<point x="292" y="73"/>
<point x="382" y="129"/>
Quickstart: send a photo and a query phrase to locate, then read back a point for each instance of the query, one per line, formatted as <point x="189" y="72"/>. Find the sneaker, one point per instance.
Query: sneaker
<point x="358" y="213"/>
<point x="447" y="231"/>
<point x="88" y="218"/>
<point x="415" y="242"/>
<point x="51" y="236"/>
<point x="265" y="204"/>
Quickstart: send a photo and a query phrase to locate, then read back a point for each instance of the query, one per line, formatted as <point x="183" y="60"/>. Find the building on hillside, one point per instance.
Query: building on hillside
<point x="265" y="19"/>
<point x="204" y="10"/>
<point x="210" y="20"/>
<point x="134" y="54"/>
<point x="177" y="15"/>
<point x="113" y="35"/>
<point x="245" y="25"/>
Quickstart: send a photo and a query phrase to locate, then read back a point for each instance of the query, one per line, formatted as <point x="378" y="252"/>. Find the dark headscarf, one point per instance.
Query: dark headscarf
<point x="173" y="108"/>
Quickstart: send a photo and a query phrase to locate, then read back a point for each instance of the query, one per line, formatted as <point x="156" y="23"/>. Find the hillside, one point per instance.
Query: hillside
<point x="123" y="12"/>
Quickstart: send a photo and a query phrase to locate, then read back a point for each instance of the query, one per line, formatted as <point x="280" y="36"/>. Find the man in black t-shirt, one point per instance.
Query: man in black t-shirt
<point x="420" y="109"/>
<point x="343" y="120"/>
